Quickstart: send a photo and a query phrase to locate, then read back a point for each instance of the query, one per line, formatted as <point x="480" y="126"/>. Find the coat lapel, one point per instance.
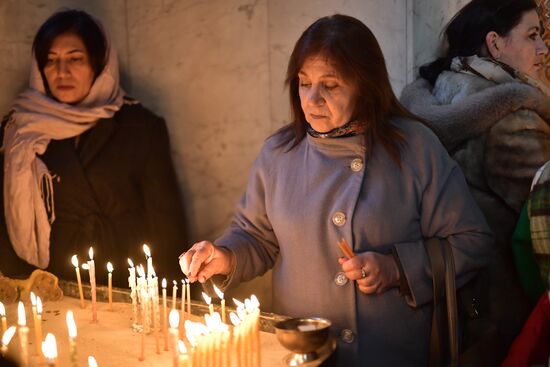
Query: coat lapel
<point x="98" y="136"/>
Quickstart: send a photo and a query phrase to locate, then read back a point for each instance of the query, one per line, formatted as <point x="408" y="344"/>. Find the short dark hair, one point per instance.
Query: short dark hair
<point x="354" y="51"/>
<point x="76" y="22"/>
<point x="465" y="34"/>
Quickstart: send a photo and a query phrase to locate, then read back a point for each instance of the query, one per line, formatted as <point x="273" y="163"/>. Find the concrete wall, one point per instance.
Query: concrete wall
<point x="215" y="69"/>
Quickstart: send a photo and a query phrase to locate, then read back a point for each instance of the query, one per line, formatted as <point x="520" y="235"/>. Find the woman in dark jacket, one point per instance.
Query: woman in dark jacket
<point x="84" y="164"/>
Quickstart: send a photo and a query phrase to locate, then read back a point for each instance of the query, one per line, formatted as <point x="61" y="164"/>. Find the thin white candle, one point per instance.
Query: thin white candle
<point x="71" y="326"/>
<point x="74" y="261"/>
<point x="133" y="291"/>
<point x="149" y="259"/>
<point x="188" y="291"/>
<point x="49" y="348"/>
<point x="91" y="264"/>
<point x="23" y="334"/>
<point x="164" y="314"/>
<point x="6" y="339"/>
<point x="174" y="294"/>
<point x="110" y="284"/>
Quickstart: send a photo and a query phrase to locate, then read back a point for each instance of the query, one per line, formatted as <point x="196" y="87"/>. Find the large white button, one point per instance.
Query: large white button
<point x="356" y="165"/>
<point x="340" y="279"/>
<point x="339" y="219"/>
<point x="347" y="336"/>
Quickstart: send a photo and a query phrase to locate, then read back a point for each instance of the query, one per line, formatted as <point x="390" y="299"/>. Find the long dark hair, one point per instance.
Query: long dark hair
<point x="353" y="50"/>
<point x="465" y="33"/>
<point x="77" y="22"/>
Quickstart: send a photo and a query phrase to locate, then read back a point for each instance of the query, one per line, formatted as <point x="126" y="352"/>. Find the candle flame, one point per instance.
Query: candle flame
<point x="248" y="306"/>
<point x="110" y="267"/>
<point x="241" y="312"/>
<point x="217" y="318"/>
<point x="38" y="306"/>
<point x="131" y="263"/>
<point x="175" y="283"/>
<point x="235" y="320"/>
<point x="49" y="347"/>
<point x="74" y="261"/>
<point x="21" y="316"/>
<point x="91" y="253"/>
<point x="8" y="335"/>
<point x="218" y="292"/>
<point x="92" y="362"/>
<point x="174" y="319"/>
<point x="33" y="299"/>
<point x="85" y="266"/>
<point x="254" y="301"/>
<point x="181" y="347"/>
<point x="207" y="298"/>
<point x="209" y="321"/>
<point x="147" y="251"/>
<point x="163" y="282"/>
<point x="2" y="310"/>
<point x="237" y="302"/>
<point x="71" y="325"/>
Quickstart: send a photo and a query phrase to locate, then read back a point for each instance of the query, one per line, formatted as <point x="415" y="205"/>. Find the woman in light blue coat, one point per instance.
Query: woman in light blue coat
<point x="353" y="164"/>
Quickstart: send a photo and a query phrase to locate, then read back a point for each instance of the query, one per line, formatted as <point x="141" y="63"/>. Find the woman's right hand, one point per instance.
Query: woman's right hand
<point x="204" y="259"/>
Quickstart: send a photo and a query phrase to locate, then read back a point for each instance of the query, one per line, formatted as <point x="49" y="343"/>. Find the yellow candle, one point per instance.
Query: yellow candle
<point x="49" y="348"/>
<point x="3" y="316"/>
<point x="38" y="330"/>
<point x="6" y="338"/>
<point x="33" y="306"/>
<point x="220" y="295"/>
<point x="74" y="260"/>
<point x="71" y="326"/>
<point x="208" y="301"/>
<point x="188" y="292"/>
<point x="182" y="313"/>
<point x="174" y="333"/>
<point x="110" y="284"/>
<point x="23" y="334"/>
<point x="237" y="342"/>
<point x="183" y="358"/>
<point x="144" y="295"/>
<point x="164" y="314"/>
<point x="133" y="289"/>
<point x="155" y="326"/>
<point x="174" y="294"/>
<point x="91" y="264"/>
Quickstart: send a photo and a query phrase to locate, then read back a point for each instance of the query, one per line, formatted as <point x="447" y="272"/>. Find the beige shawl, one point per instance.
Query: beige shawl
<point x="35" y="120"/>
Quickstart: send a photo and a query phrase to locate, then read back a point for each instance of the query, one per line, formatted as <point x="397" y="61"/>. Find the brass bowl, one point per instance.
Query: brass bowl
<point x="303" y="337"/>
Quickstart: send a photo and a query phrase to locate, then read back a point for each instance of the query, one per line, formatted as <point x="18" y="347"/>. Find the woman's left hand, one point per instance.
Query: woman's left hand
<point x="374" y="272"/>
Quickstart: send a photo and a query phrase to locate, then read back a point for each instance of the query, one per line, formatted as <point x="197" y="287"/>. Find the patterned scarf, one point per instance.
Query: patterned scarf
<point x="350" y="129"/>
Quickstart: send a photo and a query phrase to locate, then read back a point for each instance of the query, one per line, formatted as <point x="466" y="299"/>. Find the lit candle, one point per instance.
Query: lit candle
<point x="91" y="264"/>
<point x="208" y="301"/>
<point x="133" y="293"/>
<point x="164" y="314"/>
<point x="6" y="339"/>
<point x="154" y="309"/>
<point x="237" y="342"/>
<point x="33" y="307"/>
<point x="144" y="296"/>
<point x="74" y="260"/>
<point x="49" y="348"/>
<point x="188" y="292"/>
<point x="110" y="284"/>
<point x="149" y="259"/>
<point x="182" y="312"/>
<point x="221" y="297"/>
<point x="174" y="334"/>
<point x="38" y="330"/>
<point x="23" y="333"/>
<point x="3" y="316"/>
<point x="71" y="326"/>
<point x="183" y="358"/>
<point x="174" y="294"/>
<point x="92" y="362"/>
<point x="256" y="327"/>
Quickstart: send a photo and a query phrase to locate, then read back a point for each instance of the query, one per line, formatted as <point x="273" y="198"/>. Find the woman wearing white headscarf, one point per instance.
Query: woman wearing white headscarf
<point x="83" y="163"/>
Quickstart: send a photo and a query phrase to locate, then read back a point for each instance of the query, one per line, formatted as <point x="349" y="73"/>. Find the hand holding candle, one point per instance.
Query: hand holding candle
<point x="74" y="261"/>
<point x="110" y="284"/>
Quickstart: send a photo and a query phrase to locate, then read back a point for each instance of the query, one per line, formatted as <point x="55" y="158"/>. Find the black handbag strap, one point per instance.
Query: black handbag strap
<point x="443" y="280"/>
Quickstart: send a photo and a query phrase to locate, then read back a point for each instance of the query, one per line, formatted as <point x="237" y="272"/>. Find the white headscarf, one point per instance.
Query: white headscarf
<point x="36" y="120"/>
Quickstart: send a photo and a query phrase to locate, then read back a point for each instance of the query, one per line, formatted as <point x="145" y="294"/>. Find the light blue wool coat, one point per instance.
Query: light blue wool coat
<point x="285" y="221"/>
